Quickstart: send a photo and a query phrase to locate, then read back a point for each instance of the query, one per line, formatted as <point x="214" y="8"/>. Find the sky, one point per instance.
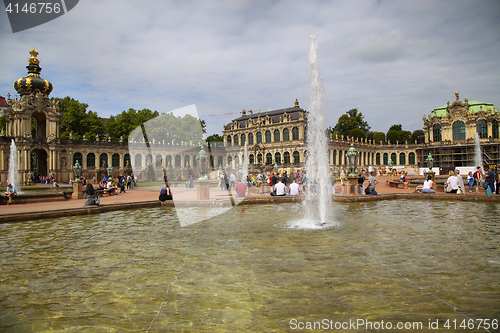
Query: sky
<point x="393" y="60"/>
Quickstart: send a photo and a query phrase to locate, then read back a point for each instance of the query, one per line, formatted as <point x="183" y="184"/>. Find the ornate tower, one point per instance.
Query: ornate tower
<point x="34" y="103"/>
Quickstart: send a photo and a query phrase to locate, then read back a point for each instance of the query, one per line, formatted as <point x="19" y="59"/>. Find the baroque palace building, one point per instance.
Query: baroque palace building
<point x="274" y="139"/>
<point x="44" y="153"/>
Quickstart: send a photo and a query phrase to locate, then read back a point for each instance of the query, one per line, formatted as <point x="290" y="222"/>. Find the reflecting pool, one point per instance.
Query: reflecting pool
<point x="255" y="268"/>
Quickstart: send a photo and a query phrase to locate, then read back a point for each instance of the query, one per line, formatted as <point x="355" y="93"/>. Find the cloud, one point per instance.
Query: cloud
<point x="376" y="49"/>
<point x="393" y="60"/>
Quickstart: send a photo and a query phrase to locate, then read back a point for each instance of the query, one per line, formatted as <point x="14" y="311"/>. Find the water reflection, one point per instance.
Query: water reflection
<point x="248" y="269"/>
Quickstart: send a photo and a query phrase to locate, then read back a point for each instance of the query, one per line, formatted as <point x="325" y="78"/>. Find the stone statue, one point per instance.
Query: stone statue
<point x="202" y="163"/>
<point x="97" y="138"/>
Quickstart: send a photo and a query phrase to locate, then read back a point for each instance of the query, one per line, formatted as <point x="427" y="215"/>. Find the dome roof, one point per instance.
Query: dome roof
<point x="473" y="107"/>
<point x="33" y="83"/>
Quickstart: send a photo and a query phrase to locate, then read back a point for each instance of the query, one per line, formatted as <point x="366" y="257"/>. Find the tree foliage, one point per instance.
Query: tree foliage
<point x="378" y="137"/>
<point x="168" y="127"/>
<point x="215" y="138"/>
<point x="352" y="119"/>
<point x="357" y="133"/>
<point x="418" y="135"/>
<point x="124" y="123"/>
<point x="78" y="121"/>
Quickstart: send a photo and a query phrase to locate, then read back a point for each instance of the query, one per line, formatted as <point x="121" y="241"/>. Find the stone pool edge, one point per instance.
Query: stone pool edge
<point x="247" y="201"/>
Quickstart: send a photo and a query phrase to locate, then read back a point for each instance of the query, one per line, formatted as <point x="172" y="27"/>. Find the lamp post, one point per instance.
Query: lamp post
<point x="77" y="170"/>
<point x="430" y="163"/>
<point x="352" y="178"/>
<point x="351" y="155"/>
<point x="77" y="184"/>
<point x="110" y="171"/>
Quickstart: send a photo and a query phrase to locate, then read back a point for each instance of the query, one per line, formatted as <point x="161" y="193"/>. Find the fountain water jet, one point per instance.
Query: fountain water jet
<point x="13" y="168"/>
<point x="478" y="156"/>
<point x="318" y="197"/>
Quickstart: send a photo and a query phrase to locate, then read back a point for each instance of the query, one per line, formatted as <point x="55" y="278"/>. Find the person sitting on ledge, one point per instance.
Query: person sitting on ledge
<point x="241" y="189"/>
<point x="165" y="193"/>
<point x="10" y="192"/>
<point x="91" y="196"/>
<point x="428" y="185"/>
<point x="279" y="189"/>
<point x="110" y="188"/>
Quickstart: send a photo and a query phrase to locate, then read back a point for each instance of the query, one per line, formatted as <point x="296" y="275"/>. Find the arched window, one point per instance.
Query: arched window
<point x="103" y="160"/>
<point x="230" y="161"/>
<point x="158" y="161"/>
<point x="340" y="157"/>
<point x="269" y="158"/>
<point x="251" y="159"/>
<point x="149" y="159"/>
<point x="91" y="160"/>
<point x="286" y="134"/>
<point x="186" y="161"/>
<point x="276" y="135"/>
<point x="268" y="136"/>
<point x="286" y="157"/>
<point x="243" y="139"/>
<point x="235" y="140"/>
<point x="494" y="129"/>
<point x="168" y="161"/>
<point x="411" y="157"/>
<point x="259" y="137"/>
<point x="259" y="158"/>
<point x="386" y="158"/>
<point x="212" y="161"/>
<point x="394" y="158"/>
<point x="458" y="130"/>
<point x="194" y="162"/>
<point x="277" y="158"/>
<point x="377" y="158"/>
<point x="229" y="140"/>
<point x="334" y="157"/>
<point x="220" y="161"/>
<point x="296" y="157"/>
<point x="178" y="161"/>
<point x="77" y="157"/>
<point x="115" y="160"/>
<point x="138" y="161"/>
<point x="436" y="129"/>
<point x="402" y="159"/>
<point x="295" y="133"/>
<point x="250" y="139"/>
<point x="236" y="160"/>
<point x="126" y="159"/>
<point x="482" y="128"/>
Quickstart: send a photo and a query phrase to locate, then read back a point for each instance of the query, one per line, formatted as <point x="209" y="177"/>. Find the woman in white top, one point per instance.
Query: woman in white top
<point x="452" y="183"/>
<point x="428" y="185"/>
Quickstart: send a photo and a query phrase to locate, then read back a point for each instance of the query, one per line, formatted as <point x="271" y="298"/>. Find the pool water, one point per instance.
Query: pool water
<point x="254" y="268"/>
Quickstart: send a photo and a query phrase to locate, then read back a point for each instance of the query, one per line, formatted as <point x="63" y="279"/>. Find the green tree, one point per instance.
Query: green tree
<point x="357" y="133"/>
<point x="124" y="123"/>
<point x="404" y="136"/>
<point x="76" y="120"/>
<point x="418" y="135"/>
<point x="350" y="120"/>
<point x="395" y="127"/>
<point x="393" y="136"/>
<point x="215" y="138"/>
<point x="378" y="136"/>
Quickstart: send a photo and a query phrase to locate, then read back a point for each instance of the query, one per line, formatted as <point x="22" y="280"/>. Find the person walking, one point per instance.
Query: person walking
<point x="489" y="179"/>
<point x="477" y="176"/>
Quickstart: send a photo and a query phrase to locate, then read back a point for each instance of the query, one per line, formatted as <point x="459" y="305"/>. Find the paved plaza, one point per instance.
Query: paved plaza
<point x="148" y="197"/>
